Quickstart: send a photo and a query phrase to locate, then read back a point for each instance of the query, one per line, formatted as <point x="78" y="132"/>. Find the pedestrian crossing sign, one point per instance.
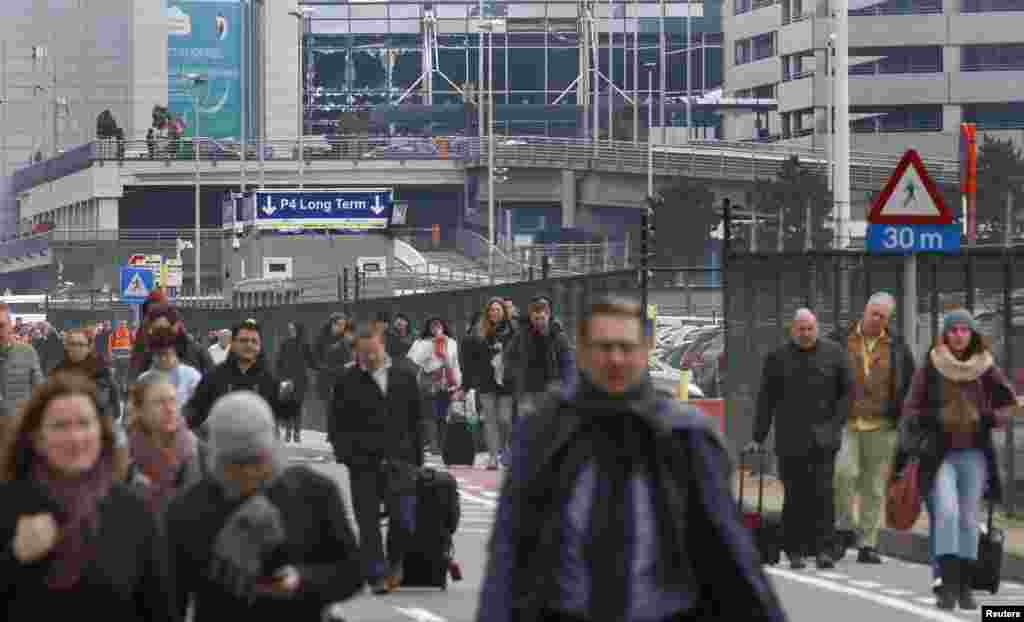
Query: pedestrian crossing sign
<point x="136" y="284"/>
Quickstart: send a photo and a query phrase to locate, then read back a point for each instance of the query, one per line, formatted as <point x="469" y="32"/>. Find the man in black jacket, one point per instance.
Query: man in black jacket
<point x="375" y="430"/>
<point x="245" y="369"/>
<point x="802" y="386"/>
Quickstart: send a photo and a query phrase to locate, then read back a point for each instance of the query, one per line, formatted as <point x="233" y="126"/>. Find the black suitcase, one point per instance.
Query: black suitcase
<point x="988" y="568"/>
<point x="459" y="444"/>
<point x="437" y="517"/>
<point x="767" y="531"/>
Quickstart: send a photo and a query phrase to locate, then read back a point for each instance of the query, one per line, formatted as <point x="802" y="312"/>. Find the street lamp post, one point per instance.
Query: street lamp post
<point x="300" y="16"/>
<point x="650" y="128"/>
<point x="489" y="26"/>
<point x="196" y="79"/>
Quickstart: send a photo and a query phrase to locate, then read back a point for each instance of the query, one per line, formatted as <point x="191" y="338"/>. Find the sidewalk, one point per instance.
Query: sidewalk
<point x="908" y="545"/>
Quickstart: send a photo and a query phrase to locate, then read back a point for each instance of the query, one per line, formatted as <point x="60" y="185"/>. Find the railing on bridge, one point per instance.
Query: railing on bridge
<point x="705" y="159"/>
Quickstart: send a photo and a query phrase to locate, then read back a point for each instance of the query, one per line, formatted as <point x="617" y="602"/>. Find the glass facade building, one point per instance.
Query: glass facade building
<point x="364" y="63"/>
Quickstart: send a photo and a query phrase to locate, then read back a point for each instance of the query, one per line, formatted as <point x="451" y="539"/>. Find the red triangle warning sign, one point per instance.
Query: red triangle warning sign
<point x="910" y="197"/>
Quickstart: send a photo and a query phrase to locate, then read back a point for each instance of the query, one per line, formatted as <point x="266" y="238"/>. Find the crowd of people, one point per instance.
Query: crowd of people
<point x="851" y="411"/>
<point x="175" y="498"/>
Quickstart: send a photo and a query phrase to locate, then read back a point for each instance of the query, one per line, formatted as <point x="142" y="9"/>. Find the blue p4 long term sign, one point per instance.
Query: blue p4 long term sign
<point x="909" y="239"/>
<point x="347" y="209"/>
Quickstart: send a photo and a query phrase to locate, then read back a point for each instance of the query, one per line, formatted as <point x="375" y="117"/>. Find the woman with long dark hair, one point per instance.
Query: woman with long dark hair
<point x="436" y="355"/>
<point x="956" y="399"/>
<point x="75" y="539"/>
<point x="80" y="357"/>
<point x="294" y="361"/>
<point x="484" y="363"/>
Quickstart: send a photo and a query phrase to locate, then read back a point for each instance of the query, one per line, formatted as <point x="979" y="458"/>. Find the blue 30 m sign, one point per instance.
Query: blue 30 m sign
<point x="908" y="239"/>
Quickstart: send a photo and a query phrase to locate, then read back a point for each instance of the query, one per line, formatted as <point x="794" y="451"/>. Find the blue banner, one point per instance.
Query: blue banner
<point x="204" y="38"/>
<point x="359" y="209"/>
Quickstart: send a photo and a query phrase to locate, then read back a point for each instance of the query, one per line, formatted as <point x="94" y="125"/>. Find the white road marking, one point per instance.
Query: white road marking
<point x="419" y="614"/>
<point x="926" y="600"/>
<point x="868" y="585"/>
<point x="832" y="575"/>
<point x="885" y="601"/>
<point x="1013" y="586"/>
<point x="479" y="531"/>
<point x="484" y="502"/>
<point x="897" y="592"/>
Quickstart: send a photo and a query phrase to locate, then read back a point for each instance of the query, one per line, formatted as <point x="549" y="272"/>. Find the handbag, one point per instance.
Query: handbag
<point x="903" y="497"/>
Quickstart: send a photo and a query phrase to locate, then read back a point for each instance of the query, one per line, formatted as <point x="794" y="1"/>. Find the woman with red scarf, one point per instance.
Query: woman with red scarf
<point x="167" y="455"/>
<point x="75" y="540"/>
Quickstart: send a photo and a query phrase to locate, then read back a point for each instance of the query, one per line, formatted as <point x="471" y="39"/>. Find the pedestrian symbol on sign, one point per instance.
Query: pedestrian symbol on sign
<point x="136" y="288"/>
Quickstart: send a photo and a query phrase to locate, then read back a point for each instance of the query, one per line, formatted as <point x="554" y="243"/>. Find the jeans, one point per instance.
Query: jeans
<point x="370" y="488"/>
<point x="959" y="484"/>
<point x="497" y="413"/>
<point x="808" y="506"/>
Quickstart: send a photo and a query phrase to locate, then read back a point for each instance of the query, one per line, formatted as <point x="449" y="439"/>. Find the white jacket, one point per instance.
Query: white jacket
<point x="422" y="353"/>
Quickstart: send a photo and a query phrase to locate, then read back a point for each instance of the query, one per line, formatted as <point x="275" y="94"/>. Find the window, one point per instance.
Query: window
<point x="990" y="6"/>
<point x="898" y="60"/>
<point x="1001" y="116"/>
<point x="755" y="48"/>
<point x="901" y="7"/>
<point x="1008" y="57"/>
<point x="742" y="6"/>
<point x="277" y="267"/>
<point x="880" y="119"/>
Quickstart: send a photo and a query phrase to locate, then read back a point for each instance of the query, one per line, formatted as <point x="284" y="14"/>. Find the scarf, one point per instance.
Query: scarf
<point x="623" y="437"/>
<point x="88" y="367"/>
<point x="161" y="464"/>
<point x="952" y="368"/>
<point x="79" y="500"/>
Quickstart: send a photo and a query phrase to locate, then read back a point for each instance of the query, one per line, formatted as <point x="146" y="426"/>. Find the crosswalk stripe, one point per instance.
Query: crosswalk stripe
<point x="925" y="600"/>
<point x="870" y="585"/>
<point x="832" y="575"/>
<point x="897" y="592"/>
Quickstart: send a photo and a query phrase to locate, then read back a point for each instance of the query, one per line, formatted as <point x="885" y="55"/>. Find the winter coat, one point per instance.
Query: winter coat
<point x="364" y="424"/>
<point x="228" y="377"/>
<point x="802" y="392"/>
<point x="422" y="354"/>
<point x="481" y="355"/>
<point x="557" y="363"/>
<point x="127" y="580"/>
<point x="319" y="542"/>
<point x="901" y="369"/>
<point x="108" y="396"/>
<point x="524" y="547"/>
<point x="19" y="375"/>
<point x="294" y="361"/>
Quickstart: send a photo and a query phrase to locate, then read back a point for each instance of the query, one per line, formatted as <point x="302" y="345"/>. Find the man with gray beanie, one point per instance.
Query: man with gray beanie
<point x="258" y="535"/>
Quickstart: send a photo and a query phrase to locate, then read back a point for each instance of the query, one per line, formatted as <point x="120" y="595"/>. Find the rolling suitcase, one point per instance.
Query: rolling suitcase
<point x="988" y="568"/>
<point x="459" y="442"/>
<point x="429" y="557"/>
<point x="767" y="531"/>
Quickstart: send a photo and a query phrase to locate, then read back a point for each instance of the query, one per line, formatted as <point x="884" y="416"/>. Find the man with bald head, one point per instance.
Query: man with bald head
<point x="802" y="386"/>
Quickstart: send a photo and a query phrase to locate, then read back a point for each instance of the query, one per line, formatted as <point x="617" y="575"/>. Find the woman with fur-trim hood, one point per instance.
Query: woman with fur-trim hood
<point x="956" y="399"/>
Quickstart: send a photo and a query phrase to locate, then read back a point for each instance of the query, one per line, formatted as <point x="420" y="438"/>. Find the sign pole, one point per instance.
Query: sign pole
<point x="910" y="301"/>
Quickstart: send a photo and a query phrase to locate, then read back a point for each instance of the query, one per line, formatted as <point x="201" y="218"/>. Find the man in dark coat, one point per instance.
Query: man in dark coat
<point x="246" y="369"/>
<point x="617" y="503"/>
<point x="374" y="427"/>
<point x="802" y="388"/>
<point x="538" y="357"/>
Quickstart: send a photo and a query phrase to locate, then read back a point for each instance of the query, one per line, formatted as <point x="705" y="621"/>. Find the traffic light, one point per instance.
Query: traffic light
<point x="647" y="250"/>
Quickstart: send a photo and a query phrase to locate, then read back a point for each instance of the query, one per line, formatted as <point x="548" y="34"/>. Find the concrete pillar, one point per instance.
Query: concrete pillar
<point x="952" y="115"/>
<point x="568" y="198"/>
<point x="107" y="216"/>
<point x="282" y="62"/>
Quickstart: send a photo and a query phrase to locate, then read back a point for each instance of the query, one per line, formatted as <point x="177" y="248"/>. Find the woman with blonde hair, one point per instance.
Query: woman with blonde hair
<point x="167" y="456"/>
<point x="484" y="355"/>
<point x="955" y="401"/>
<point x="74" y="538"/>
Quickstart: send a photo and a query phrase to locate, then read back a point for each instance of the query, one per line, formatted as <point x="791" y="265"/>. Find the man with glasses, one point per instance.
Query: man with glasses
<point x="245" y="369"/>
<point x="19" y="366"/>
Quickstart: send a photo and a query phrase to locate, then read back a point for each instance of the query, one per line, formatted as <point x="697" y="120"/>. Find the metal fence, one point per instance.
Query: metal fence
<point x="763" y="290"/>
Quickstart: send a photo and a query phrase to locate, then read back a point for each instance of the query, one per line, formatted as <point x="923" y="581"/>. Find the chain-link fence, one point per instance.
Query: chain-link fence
<point x="762" y="291"/>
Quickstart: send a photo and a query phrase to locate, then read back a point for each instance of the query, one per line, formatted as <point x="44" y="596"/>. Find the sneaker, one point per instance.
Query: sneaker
<point x="381" y="586"/>
<point x="394" y="579"/>
<point x="868" y="555"/>
<point x="936" y="585"/>
<point x="825" y="562"/>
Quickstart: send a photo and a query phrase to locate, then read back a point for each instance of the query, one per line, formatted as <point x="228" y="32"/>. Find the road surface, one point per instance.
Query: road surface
<point x="895" y="591"/>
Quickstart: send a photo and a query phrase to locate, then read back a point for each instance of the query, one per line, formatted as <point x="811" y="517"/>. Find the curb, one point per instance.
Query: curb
<point x="913" y="547"/>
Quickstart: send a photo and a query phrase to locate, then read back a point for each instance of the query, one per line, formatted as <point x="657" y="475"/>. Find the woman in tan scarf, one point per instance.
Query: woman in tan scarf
<point x="956" y="399"/>
<point x="167" y="455"/>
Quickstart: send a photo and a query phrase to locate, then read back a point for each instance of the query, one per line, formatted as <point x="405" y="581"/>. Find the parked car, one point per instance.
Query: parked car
<point x="666" y="379"/>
